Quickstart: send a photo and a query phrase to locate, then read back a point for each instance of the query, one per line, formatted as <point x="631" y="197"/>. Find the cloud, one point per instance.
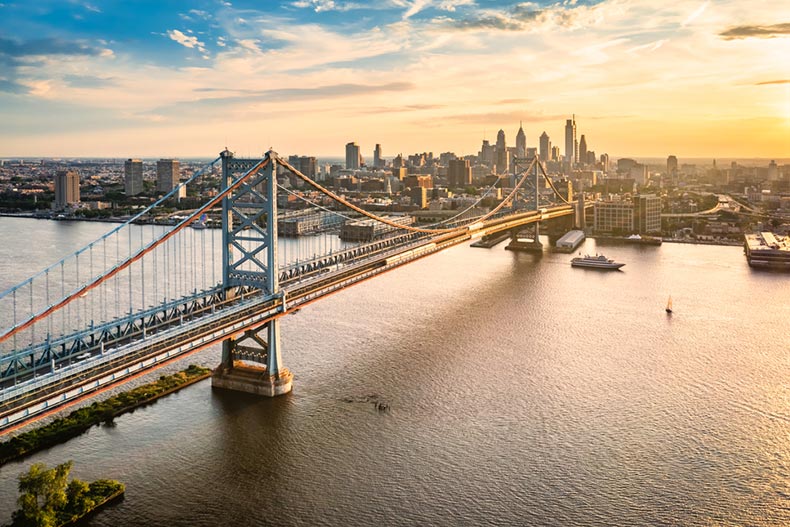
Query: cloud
<point x="780" y="81"/>
<point x="503" y="117"/>
<point x="695" y="14"/>
<point x="15" y="54"/>
<point x="327" y="5"/>
<point x="87" y="81"/>
<point x="46" y="46"/>
<point x="528" y="16"/>
<point x="451" y="5"/>
<point x="741" y="32"/>
<point x="241" y="96"/>
<point x="186" y="40"/>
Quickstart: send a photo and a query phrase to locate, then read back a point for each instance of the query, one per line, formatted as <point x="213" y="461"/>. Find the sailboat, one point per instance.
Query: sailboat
<point x="669" y="305"/>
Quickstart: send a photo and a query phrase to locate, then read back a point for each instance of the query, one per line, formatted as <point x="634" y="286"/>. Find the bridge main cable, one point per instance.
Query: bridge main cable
<point x="409" y="228"/>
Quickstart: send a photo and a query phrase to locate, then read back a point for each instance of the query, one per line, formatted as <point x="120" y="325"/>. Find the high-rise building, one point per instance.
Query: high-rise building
<point x="487" y="154"/>
<point x="67" y="189"/>
<point x="133" y="177"/>
<point x="377" y="161"/>
<point x="521" y="142"/>
<point x="672" y="165"/>
<point x="353" y="156"/>
<point x="555" y="153"/>
<point x="307" y="165"/>
<point x="459" y="173"/>
<point x="502" y="158"/>
<point x="545" y="147"/>
<point x="773" y="171"/>
<point x="582" y="156"/>
<point x="570" y="140"/>
<point x="168" y="174"/>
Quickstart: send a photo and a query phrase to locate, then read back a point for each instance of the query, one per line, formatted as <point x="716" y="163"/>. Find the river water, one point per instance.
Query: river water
<point x="521" y="391"/>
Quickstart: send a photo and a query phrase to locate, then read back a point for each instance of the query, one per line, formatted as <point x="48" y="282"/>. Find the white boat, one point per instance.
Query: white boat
<point x="598" y="261"/>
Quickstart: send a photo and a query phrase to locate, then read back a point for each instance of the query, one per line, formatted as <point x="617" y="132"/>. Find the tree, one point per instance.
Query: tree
<point x="43" y="494"/>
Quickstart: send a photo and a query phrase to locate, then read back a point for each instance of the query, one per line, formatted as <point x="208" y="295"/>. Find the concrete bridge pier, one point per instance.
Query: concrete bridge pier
<point x="253" y="364"/>
<point x="518" y="243"/>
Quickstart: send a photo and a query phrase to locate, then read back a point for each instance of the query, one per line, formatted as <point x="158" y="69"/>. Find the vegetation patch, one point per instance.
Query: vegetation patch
<point x="47" y="498"/>
<point x="82" y="419"/>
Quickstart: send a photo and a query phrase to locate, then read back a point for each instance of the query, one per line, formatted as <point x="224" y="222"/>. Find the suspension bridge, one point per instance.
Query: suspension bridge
<point x="144" y="295"/>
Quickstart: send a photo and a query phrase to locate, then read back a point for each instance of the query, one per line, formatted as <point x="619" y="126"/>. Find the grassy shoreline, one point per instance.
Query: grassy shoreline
<point x="80" y="420"/>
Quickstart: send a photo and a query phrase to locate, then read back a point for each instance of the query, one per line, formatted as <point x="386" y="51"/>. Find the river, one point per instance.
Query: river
<point x="521" y="391"/>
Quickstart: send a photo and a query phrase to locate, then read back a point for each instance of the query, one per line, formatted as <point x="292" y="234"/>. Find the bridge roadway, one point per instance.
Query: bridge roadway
<point x="108" y="366"/>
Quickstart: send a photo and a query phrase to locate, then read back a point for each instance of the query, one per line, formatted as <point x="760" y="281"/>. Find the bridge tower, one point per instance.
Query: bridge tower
<point x="533" y="245"/>
<point x="251" y="361"/>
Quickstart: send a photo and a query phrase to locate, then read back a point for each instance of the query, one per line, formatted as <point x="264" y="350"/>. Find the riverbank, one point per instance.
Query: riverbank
<point x="80" y="420"/>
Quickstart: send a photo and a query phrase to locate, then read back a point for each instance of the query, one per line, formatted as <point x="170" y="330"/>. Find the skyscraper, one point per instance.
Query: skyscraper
<point x="67" y="189"/>
<point x="521" y="142"/>
<point x="167" y="174"/>
<point x="582" y="155"/>
<point x="377" y="161"/>
<point x="459" y="173"/>
<point x="133" y="177"/>
<point x="353" y="156"/>
<point x="570" y="140"/>
<point x="672" y="164"/>
<point x="545" y="147"/>
<point x="502" y="164"/>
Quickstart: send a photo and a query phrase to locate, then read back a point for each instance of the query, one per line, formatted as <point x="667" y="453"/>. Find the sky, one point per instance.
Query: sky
<point x="148" y="78"/>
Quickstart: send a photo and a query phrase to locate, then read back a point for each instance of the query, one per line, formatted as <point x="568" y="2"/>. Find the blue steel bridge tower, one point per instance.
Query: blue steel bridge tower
<point x="251" y="360"/>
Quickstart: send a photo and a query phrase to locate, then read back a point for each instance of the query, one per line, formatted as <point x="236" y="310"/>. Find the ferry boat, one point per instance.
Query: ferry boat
<point x="598" y="261"/>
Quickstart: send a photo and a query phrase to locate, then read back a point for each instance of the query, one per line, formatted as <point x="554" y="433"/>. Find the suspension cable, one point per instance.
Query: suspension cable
<point x="391" y="223"/>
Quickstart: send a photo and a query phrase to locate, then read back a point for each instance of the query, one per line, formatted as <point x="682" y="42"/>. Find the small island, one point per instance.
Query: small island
<point x="48" y="499"/>
<point x="80" y="420"/>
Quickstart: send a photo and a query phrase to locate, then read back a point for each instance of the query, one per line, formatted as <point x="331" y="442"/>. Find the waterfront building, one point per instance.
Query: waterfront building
<point x="647" y="213"/>
<point x="133" y="177"/>
<point x="613" y="217"/>
<point x="67" y="189"/>
<point x="642" y="215"/>
<point x="545" y="147"/>
<point x="768" y="250"/>
<point x="168" y="174"/>
<point x="353" y="156"/>
<point x="570" y="140"/>
<point x="459" y="173"/>
<point x="521" y="142"/>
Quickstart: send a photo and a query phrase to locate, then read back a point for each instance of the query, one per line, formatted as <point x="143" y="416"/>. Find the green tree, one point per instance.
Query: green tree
<point x="43" y="494"/>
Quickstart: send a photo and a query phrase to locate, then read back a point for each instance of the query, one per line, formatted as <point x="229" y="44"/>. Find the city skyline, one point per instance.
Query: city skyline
<point x="694" y="79"/>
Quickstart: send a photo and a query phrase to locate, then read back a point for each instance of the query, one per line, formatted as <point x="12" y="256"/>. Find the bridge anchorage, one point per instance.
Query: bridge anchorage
<point x="252" y="362"/>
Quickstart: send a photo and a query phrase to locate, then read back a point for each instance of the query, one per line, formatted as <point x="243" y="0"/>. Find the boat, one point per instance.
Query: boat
<point x="643" y="240"/>
<point x="669" y="305"/>
<point x="598" y="261"/>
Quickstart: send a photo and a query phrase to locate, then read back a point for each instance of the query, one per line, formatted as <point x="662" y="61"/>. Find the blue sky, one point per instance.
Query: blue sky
<point x="307" y="76"/>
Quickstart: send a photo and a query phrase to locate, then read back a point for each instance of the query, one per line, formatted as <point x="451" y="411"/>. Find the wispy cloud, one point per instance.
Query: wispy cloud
<point x="771" y="31"/>
<point x="696" y="14"/>
<point x="780" y="81"/>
